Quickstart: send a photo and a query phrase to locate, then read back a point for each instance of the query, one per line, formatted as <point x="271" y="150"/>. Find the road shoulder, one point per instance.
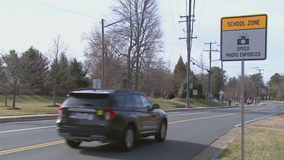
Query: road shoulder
<point x="216" y="148"/>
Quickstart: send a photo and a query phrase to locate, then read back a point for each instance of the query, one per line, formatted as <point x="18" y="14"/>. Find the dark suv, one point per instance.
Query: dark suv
<point x="119" y="116"/>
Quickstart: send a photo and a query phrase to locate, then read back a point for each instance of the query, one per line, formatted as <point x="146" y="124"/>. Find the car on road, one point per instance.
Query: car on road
<point x="110" y="116"/>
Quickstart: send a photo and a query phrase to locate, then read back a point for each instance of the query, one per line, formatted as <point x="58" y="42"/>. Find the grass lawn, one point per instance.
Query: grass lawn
<point x="35" y="104"/>
<point x="170" y="104"/>
<point x="29" y="104"/>
<point x="260" y="144"/>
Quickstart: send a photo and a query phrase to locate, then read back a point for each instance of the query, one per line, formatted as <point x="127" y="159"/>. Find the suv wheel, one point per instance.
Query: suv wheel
<point x="161" y="135"/>
<point x="73" y="144"/>
<point x="128" y="140"/>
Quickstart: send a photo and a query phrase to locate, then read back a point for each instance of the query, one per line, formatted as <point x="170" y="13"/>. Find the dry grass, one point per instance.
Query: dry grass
<point x="260" y="144"/>
<point x="35" y="104"/>
<point x="29" y="104"/>
<point x="170" y="104"/>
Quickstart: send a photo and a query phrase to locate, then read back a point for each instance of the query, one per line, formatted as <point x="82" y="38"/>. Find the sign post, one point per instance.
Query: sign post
<point x="221" y="95"/>
<point x="243" y="38"/>
<point x="195" y="93"/>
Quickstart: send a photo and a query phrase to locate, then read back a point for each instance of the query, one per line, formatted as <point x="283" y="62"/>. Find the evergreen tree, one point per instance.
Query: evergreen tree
<point x="77" y="70"/>
<point x="35" y="62"/>
<point x="179" y="75"/>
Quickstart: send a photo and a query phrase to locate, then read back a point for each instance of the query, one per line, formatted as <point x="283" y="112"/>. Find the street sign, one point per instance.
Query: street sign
<point x="244" y="38"/>
<point x="97" y="83"/>
<point x="221" y="92"/>
<point x="191" y="85"/>
<point x="195" y="92"/>
<point x="180" y="90"/>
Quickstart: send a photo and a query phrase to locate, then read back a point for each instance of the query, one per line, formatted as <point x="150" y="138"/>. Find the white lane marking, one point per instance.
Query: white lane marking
<point x="169" y="113"/>
<point x="185" y="114"/>
<point x="258" y="119"/>
<point x="26" y="129"/>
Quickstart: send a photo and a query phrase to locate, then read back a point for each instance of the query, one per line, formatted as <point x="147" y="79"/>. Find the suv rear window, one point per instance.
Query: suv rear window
<point x="97" y="100"/>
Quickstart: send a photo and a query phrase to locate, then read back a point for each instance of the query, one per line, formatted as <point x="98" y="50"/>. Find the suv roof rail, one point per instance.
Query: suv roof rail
<point x="101" y="89"/>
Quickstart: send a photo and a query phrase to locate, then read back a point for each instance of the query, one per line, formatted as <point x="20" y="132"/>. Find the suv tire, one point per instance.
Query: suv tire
<point x="161" y="135"/>
<point x="73" y="144"/>
<point x="128" y="139"/>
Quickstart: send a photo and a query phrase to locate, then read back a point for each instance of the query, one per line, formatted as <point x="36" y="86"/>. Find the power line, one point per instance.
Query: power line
<point x="205" y="34"/>
<point x="268" y="63"/>
<point x="206" y="31"/>
<point x="201" y="39"/>
<point x="178" y="7"/>
<point x="201" y="14"/>
<point x="172" y="17"/>
<point x="197" y="63"/>
<point x="198" y="45"/>
<point x="66" y="10"/>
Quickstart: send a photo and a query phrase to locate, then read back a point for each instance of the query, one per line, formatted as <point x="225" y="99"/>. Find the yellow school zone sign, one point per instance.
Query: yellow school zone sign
<point x="244" y="38"/>
<point x="245" y="22"/>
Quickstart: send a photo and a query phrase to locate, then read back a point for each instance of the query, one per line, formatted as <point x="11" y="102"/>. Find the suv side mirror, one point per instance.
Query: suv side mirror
<point x="156" y="106"/>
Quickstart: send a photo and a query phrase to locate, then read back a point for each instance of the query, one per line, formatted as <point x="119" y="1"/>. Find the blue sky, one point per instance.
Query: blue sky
<point x="28" y="22"/>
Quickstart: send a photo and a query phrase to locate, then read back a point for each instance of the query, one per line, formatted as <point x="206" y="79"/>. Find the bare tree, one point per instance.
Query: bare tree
<point x="132" y="44"/>
<point x="155" y="77"/>
<point x="280" y="90"/>
<point x="59" y="76"/>
<point x="4" y="84"/>
<point x="114" y="65"/>
<point x="142" y="31"/>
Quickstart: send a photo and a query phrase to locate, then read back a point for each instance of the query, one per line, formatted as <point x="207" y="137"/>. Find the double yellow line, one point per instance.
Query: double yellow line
<point x="62" y="141"/>
<point x="31" y="147"/>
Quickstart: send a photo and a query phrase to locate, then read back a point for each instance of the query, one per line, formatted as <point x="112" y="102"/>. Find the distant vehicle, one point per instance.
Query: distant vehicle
<point x="251" y="101"/>
<point x="110" y="116"/>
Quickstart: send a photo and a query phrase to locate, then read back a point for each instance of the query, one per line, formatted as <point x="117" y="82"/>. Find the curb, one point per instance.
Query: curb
<point x="194" y="109"/>
<point x="21" y="118"/>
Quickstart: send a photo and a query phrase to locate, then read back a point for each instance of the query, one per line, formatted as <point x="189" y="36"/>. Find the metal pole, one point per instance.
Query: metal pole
<point x="210" y="57"/>
<point x="103" y="55"/>
<point x="243" y="113"/>
<point x="259" y="87"/>
<point x="222" y="75"/>
<point x="188" y="54"/>
<point x="222" y="85"/>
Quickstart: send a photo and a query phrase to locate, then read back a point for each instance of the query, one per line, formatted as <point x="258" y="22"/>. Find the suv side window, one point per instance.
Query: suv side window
<point x="128" y="102"/>
<point x="118" y="100"/>
<point x="145" y="101"/>
<point x="136" y="101"/>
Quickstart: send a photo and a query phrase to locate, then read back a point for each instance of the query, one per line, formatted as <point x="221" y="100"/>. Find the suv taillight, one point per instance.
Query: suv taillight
<point x="59" y="113"/>
<point x="109" y="114"/>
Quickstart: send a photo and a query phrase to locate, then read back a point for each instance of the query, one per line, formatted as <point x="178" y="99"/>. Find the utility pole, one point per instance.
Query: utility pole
<point x="103" y="48"/>
<point x="222" y="79"/>
<point x="103" y="55"/>
<point x="209" y="72"/>
<point x="258" y="92"/>
<point x="188" y="39"/>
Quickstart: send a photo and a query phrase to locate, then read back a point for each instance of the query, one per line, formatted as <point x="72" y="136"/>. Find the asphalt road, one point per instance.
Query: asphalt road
<point x="189" y="133"/>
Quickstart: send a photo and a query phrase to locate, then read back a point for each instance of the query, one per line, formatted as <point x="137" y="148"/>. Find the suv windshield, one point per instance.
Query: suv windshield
<point x="96" y="100"/>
